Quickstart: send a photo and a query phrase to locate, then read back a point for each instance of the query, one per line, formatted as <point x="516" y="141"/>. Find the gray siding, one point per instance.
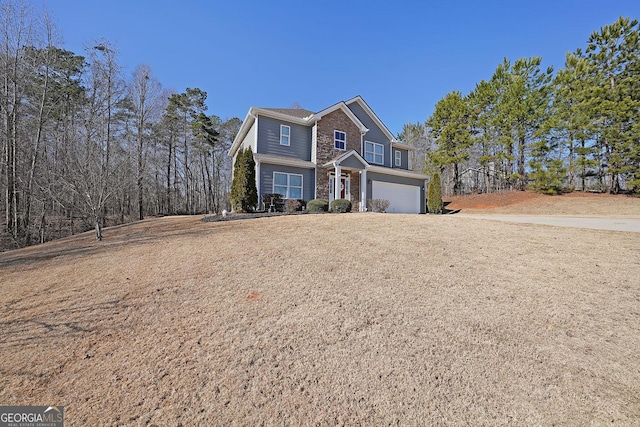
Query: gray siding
<point x="266" y="179"/>
<point x="269" y="139"/>
<point x="352" y="162"/>
<point x="375" y="134"/>
<point x="372" y="176"/>
<point x="405" y="159"/>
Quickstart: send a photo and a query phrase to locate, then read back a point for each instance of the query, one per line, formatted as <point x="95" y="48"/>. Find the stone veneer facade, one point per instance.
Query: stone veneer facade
<point x="326" y="151"/>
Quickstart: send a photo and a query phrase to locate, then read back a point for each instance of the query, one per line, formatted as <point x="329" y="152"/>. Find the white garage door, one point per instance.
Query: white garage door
<point x="402" y="198"/>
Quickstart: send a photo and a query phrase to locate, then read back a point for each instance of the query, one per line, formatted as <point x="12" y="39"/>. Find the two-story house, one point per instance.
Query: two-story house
<point x="343" y="151"/>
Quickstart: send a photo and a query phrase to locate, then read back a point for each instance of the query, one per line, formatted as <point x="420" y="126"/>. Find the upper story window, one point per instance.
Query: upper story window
<point x="373" y="152"/>
<point x="285" y="134"/>
<point x="398" y="158"/>
<point x="340" y="140"/>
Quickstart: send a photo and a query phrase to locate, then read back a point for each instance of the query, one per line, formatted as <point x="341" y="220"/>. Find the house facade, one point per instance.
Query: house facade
<point x="341" y="152"/>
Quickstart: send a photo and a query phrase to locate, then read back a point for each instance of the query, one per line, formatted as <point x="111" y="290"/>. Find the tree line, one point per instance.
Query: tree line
<point x="528" y="127"/>
<point x="85" y="146"/>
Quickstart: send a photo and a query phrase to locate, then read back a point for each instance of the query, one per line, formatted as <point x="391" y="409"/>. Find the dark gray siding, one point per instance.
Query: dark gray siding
<point x="375" y="134"/>
<point x="269" y="139"/>
<point x="405" y="159"/>
<point x="266" y="179"/>
<point x="373" y="176"/>
<point x="352" y="162"/>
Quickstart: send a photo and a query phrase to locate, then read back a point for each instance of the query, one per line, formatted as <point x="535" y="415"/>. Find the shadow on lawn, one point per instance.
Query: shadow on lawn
<point x="446" y="211"/>
<point x="84" y="244"/>
<point x="52" y="326"/>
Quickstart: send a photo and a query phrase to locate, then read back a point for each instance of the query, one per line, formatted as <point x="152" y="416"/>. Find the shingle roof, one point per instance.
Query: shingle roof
<point x="300" y="113"/>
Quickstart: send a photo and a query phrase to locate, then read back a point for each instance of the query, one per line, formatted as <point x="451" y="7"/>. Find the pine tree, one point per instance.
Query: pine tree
<point x="450" y="124"/>
<point x="613" y="54"/>
<point x="547" y="170"/>
<point x="570" y="118"/>
<point x="434" y="195"/>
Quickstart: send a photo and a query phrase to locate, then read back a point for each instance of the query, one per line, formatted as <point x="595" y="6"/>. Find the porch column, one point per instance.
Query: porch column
<point x="336" y="182"/>
<point x="363" y="190"/>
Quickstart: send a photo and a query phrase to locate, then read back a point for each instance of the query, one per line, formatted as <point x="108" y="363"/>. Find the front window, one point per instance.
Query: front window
<point x="285" y="134"/>
<point x="289" y="185"/>
<point x="340" y="140"/>
<point x="374" y="153"/>
<point x="398" y="157"/>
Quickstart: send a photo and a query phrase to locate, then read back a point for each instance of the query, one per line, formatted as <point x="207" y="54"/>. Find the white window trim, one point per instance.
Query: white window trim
<point x="286" y="196"/>
<point x="398" y="158"/>
<point x="288" y="135"/>
<point x="373" y="153"/>
<point x="335" y="139"/>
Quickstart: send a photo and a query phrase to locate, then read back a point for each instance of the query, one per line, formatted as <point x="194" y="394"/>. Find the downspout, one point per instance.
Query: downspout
<point x="314" y="157"/>
<point x="363" y="190"/>
<point x="255" y="140"/>
<point x="258" y="182"/>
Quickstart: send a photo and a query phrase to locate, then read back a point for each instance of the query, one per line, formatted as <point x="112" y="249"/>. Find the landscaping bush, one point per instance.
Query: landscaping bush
<point x="378" y="205"/>
<point x="318" y="205"/>
<point x="434" y="195"/>
<point x="293" y="205"/>
<point x="341" y="206"/>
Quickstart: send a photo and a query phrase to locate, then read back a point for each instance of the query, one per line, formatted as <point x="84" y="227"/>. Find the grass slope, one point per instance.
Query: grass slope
<point x="367" y="319"/>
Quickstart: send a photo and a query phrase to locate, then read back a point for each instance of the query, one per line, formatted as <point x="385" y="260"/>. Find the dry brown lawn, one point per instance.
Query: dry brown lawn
<point x="527" y="203"/>
<point x="351" y="319"/>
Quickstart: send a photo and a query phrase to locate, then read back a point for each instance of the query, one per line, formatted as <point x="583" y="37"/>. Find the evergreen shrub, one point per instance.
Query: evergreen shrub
<point x="341" y="206"/>
<point x="318" y="205"/>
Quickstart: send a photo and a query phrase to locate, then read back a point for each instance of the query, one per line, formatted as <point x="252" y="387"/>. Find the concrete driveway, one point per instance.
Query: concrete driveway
<point x="614" y="224"/>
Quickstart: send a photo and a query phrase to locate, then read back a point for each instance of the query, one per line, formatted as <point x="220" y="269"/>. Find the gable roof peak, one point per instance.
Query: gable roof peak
<point x="373" y="116"/>
<point x="342" y="106"/>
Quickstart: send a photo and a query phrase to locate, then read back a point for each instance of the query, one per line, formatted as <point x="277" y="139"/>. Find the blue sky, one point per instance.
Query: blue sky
<point x="400" y="56"/>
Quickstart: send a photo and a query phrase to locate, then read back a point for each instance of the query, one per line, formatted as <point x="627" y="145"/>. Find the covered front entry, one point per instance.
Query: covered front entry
<point x="352" y="170"/>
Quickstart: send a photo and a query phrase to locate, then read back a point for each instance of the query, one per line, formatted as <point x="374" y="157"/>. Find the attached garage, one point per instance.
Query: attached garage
<point x="402" y="198"/>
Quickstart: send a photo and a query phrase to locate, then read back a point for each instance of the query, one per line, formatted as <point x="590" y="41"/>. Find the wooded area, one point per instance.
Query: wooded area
<point x="527" y="127"/>
<point x="85" y="146"/>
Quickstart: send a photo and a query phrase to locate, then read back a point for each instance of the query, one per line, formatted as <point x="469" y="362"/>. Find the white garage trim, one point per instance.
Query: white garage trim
<point x="402" y="198"/>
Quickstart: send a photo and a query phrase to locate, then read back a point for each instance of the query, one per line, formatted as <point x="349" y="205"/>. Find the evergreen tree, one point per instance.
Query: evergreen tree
<point x="570" y="117"/>
<point x="547" y="169"/>
<point x="250" y="192"/>
<point x="434" y="195"/>
<point x="613" y="53"/>
<point x="238" y="183"/>
<point x="525" y="106"/>
<point x="450" y="124"/>
<point x="244" y="194"/>
<point x="482" y="102"/>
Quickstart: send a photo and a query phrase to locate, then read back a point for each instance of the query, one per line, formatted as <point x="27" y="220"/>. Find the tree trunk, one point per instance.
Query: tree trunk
<point x="169" y="179"/>
<point x="571" y="154"/>
<point x="522" y="182"/>
<point x="140" y="177"/>
<point x="98" y="230"/>
<point x="584" y="166"/>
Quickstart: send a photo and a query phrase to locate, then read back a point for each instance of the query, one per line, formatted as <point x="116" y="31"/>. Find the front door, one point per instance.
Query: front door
<point x="344" y="187"/>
